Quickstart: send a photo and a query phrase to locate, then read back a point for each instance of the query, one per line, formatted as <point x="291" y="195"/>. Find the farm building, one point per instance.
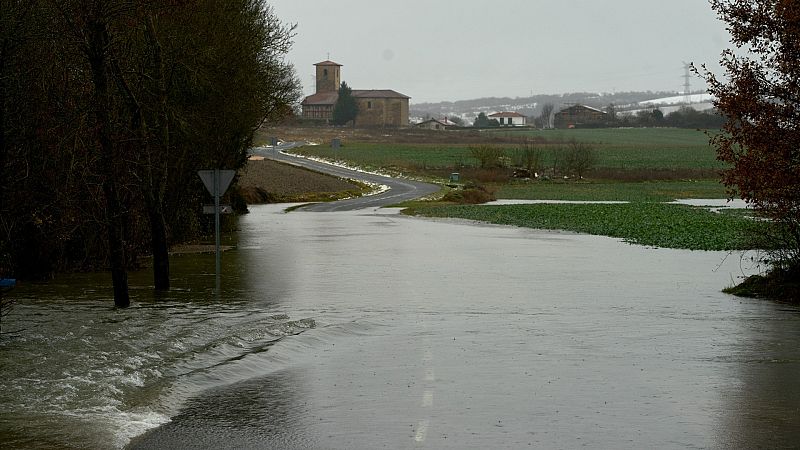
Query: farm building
<point x="436" y="124"/>
<point x="579" y="115"/>
<point x="509" y="119"/>
<point x="376" y="108"/>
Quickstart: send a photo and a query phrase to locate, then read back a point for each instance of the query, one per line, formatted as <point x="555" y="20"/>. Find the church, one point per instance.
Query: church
<point x="382" y="108"/>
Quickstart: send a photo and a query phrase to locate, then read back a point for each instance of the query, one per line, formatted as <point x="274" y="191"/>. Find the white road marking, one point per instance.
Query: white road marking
<point x="427" y="399"/>
<point x="422" y="430"/>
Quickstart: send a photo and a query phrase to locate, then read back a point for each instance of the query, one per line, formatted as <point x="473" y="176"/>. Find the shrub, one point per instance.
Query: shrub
<point x="528" y="157"/>
<point x="578" y="158"/>
<point x="487" y="156"/>
<point x="471" y="194"/>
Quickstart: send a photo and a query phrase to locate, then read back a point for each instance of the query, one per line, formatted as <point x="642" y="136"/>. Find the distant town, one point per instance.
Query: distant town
<point x="384" y="108"/>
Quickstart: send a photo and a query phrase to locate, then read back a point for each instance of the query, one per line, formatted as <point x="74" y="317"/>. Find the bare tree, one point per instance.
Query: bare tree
<point x="579" y="158"/>
<point x="546" y="116"/>
<point x="529" y="157"/>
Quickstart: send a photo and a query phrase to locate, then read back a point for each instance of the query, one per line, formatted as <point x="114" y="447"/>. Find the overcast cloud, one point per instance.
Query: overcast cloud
<point x="445" y="51"/>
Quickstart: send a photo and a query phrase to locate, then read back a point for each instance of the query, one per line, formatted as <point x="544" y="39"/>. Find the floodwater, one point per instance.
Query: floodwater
<point x="366" y="329"/>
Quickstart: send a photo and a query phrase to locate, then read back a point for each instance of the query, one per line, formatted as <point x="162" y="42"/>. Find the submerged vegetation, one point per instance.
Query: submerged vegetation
<point x="650" y="224"/>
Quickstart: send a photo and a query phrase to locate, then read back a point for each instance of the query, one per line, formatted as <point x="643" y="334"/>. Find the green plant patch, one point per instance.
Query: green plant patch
<point x="636" y="148"/>
<point x="650" y="224"/>
<point x="646" y="191"/>
<point x="616" y="149"/>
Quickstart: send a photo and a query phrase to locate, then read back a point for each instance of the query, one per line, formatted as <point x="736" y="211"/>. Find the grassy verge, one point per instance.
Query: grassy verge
<point x="645" y="191"/>
<point x="650" y="224"/>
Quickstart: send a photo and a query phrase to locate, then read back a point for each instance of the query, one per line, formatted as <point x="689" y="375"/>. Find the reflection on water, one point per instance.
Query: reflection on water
<point x="367" y="329"/>
<point x="765" y="388"/>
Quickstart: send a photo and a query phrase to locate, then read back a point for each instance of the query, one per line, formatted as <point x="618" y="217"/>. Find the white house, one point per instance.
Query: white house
<point x="509" y="119"/>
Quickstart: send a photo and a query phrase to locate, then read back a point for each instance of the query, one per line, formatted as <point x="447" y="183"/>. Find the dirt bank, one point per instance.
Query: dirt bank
<point x="265" y="181"/>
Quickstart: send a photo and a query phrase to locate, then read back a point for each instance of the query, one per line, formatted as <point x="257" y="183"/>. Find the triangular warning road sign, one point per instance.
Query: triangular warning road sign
<point x="225" y="178"/>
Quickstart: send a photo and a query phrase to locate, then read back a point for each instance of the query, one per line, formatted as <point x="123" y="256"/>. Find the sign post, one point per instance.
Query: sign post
<point x="273" y="141"/>
<point x="335" y="144"/>
<point x="217" y="182"/>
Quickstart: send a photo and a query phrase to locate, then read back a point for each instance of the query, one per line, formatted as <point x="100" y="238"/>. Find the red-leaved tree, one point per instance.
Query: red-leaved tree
<point x="760" y="97"/>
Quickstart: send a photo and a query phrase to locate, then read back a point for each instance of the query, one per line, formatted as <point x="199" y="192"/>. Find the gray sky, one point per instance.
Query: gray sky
<point x="445" y="51"/>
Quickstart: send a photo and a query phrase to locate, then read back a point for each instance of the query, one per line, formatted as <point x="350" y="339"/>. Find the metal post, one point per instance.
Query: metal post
<point x="216" y="181"/>
<point x="216" y="224"/>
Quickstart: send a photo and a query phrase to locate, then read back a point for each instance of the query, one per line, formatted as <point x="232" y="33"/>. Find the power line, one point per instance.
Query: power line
<point x="687" y="83"/>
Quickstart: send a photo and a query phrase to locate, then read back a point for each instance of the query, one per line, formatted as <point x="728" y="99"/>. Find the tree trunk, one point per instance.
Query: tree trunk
<point x="159" y="169"/>
<point x="154" y="155"/>
<point x="97" y="44"/>
<point x="159" y="248"/>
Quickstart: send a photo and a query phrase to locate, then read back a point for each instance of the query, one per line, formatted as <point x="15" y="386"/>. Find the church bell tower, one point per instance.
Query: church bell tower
<point x="329" y="76"/>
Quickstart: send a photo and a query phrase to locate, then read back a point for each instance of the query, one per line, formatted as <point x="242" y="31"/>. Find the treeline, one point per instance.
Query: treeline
<point x="685" y="117"/>
<point x="107" y="110"/>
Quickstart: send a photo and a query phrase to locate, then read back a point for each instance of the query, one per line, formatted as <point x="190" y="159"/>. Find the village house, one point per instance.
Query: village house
<point x="579" y="115"/>
<point x="383" y="108"/>
<point x="509" y="119"/>
<point x="436" y="124"/>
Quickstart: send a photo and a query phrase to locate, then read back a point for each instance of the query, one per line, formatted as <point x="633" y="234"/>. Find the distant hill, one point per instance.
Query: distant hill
<point x="698" y="102"/>
<point x="531" y="106"/>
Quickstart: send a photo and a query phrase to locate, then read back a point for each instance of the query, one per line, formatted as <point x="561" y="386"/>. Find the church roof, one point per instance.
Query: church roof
<point x="322" y="98"/>
<point x="327" y="63"/>
<point x="378" y="93"/>
<point x="329" y="98"/>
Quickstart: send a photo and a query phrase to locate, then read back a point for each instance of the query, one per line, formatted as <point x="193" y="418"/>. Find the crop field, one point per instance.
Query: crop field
<point x="616" y="149"/>
<point x="394" y="156"/>
<point x="643" y="191"/>
<point x="619" y="136"/>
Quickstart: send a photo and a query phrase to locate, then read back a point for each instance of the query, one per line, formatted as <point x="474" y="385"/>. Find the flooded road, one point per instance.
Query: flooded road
<point x="371" y="330"/>
<point x="396" y="191"/>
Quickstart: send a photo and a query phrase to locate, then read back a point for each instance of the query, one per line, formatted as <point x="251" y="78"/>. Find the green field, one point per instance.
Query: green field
<point x="620" y="149"/>
<point x="645" y="191"/>
<point x="636" y="164"/>
<point x="641" y="166"/>
<point x="394" y="156"/>
<point x="642" y="137"/>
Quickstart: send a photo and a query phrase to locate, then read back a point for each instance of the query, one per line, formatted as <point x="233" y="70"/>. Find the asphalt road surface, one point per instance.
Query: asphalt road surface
<point x="398" y="190"/>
